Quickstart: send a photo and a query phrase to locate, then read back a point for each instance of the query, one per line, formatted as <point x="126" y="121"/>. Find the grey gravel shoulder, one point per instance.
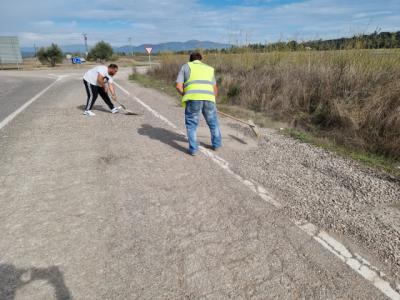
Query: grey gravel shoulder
<point x="356" y="203"/>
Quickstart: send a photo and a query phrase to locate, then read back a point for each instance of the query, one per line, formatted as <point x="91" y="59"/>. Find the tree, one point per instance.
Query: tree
<point x="50" y="55"/>
<point x="292" y="45"/>
<point x="101" y="50"/>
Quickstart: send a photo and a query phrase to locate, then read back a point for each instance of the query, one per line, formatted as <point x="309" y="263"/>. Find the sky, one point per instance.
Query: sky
<point x="226" y="21"/>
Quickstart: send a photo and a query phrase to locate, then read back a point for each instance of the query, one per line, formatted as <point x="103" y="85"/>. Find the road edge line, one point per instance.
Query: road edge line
<point x="11" y="116"/>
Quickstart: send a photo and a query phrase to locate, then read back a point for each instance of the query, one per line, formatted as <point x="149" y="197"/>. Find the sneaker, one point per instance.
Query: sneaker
<point x="89" y="113"/>
<point x="216" y="149"/>
<point x="194" y="153"/>
<point x="115" y="110"/>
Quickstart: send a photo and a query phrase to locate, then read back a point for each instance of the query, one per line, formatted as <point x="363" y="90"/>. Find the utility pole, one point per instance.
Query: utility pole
<point x="86" y="45"/>
<point x="130" y="45"/>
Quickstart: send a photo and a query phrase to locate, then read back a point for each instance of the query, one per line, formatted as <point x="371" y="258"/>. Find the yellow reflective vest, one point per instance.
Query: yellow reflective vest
<point x="200" y="85"/>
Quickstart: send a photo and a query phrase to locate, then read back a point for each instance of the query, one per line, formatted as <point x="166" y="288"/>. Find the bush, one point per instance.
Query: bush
<point x="234" y="90"/>
<point x="50" y="55"/>
<point x="102" y="51"/>
<point x="169" y="69"/>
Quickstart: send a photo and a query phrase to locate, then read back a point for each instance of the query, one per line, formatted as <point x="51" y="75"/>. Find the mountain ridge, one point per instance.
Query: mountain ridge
<point x="160" y="47"/>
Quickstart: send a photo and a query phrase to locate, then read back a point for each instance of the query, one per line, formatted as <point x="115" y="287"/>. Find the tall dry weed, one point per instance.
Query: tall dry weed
<point x="353" y="96"/>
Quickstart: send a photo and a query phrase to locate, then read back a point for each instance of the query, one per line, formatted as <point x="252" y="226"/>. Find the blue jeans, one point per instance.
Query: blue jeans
<point x="192" y="114"/>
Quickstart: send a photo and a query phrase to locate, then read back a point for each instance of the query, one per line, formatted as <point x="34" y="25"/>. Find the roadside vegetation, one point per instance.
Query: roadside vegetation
<point x="50" y="55"/>
<point x="102" y="51"/>
<point x="348" y="98"/>
<point x="376" y="40"/>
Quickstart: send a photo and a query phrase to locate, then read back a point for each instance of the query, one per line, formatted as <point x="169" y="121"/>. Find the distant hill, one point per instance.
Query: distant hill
<point x="375" y="40"/>
<point x="171" y="46"/>
<point x="174" y="46"/>
<point x="30" y="51"/>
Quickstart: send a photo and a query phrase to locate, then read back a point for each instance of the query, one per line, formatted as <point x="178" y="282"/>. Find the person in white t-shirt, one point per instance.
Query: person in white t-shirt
<point x="98" y="81"/>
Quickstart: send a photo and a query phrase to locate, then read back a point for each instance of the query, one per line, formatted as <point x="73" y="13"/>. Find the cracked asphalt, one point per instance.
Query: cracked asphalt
<point x="112" y="207"/>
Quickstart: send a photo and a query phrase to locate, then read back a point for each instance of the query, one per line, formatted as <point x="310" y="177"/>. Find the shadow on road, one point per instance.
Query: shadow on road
<point x="163" y="135"/>
<point x="12" y="279"/>
<point x="241" y="141"/>
<point x="95" y="107"/>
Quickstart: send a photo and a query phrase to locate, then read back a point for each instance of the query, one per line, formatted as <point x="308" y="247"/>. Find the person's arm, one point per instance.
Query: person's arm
<point x="179" y="88"/>
<point x="180" y="80"/>
<point x="112" y="90"/>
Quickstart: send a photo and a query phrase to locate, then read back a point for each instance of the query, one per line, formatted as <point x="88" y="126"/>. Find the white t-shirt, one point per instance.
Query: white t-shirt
<point x="91" y="75"/>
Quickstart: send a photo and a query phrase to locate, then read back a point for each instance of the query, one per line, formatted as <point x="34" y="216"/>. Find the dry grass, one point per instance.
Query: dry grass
<point x="350" y="96"/>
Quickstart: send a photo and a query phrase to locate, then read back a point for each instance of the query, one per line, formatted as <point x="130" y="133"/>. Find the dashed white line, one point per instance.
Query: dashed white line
<point x="355" y="262"/>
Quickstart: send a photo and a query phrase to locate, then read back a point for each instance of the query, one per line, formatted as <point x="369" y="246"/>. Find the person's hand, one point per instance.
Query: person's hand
<point x="106" y="89"/>
<point x="114" y="97"/>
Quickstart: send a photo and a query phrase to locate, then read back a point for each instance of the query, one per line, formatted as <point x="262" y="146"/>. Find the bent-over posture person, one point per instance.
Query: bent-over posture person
<point x="98" y="81"/>
<point x="197" y="85"/>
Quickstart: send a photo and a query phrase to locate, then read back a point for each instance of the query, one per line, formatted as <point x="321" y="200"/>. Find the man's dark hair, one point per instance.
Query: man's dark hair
<point x="113" y="66"/>
<point x="195" y="56"/>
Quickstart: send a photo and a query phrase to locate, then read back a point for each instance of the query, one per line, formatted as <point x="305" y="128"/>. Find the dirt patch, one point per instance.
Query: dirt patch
<point x="396" y="205"/>
<point x="111" y="159"/>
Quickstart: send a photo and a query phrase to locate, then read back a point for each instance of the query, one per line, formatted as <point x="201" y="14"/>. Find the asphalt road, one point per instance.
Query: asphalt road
<point x="112" y="207"/>
<point x="16" y="90"/>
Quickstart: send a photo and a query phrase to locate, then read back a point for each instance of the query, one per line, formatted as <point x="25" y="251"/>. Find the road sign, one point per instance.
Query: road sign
<point x="76" y="60"/>
<point x="149" y="49"/>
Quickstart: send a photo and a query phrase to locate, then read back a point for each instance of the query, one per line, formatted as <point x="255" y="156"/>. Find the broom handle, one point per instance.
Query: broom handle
<point x="234" y="118"/>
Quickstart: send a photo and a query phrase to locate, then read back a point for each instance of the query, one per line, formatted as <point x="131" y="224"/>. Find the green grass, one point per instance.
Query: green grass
<point x="375" y="161"/>
<point x="368" y="159"/>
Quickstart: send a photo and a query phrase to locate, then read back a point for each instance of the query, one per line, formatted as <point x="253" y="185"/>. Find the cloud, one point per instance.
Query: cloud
<point x="43" y="24"/>
<point x="154" y="21"/>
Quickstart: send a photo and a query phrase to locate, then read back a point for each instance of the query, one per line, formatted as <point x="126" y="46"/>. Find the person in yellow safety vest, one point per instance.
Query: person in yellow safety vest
<point x="197" y="85"/>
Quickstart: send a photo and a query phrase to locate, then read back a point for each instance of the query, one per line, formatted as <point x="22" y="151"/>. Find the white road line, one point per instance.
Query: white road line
<point x="10" y="117"/>
<point x="27" y="75"/>
<point x="355" y="262"/>
<point x="58" y="76"/>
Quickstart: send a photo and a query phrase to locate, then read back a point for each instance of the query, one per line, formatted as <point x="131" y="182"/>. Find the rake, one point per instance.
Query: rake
<point x="250" y="123"/>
